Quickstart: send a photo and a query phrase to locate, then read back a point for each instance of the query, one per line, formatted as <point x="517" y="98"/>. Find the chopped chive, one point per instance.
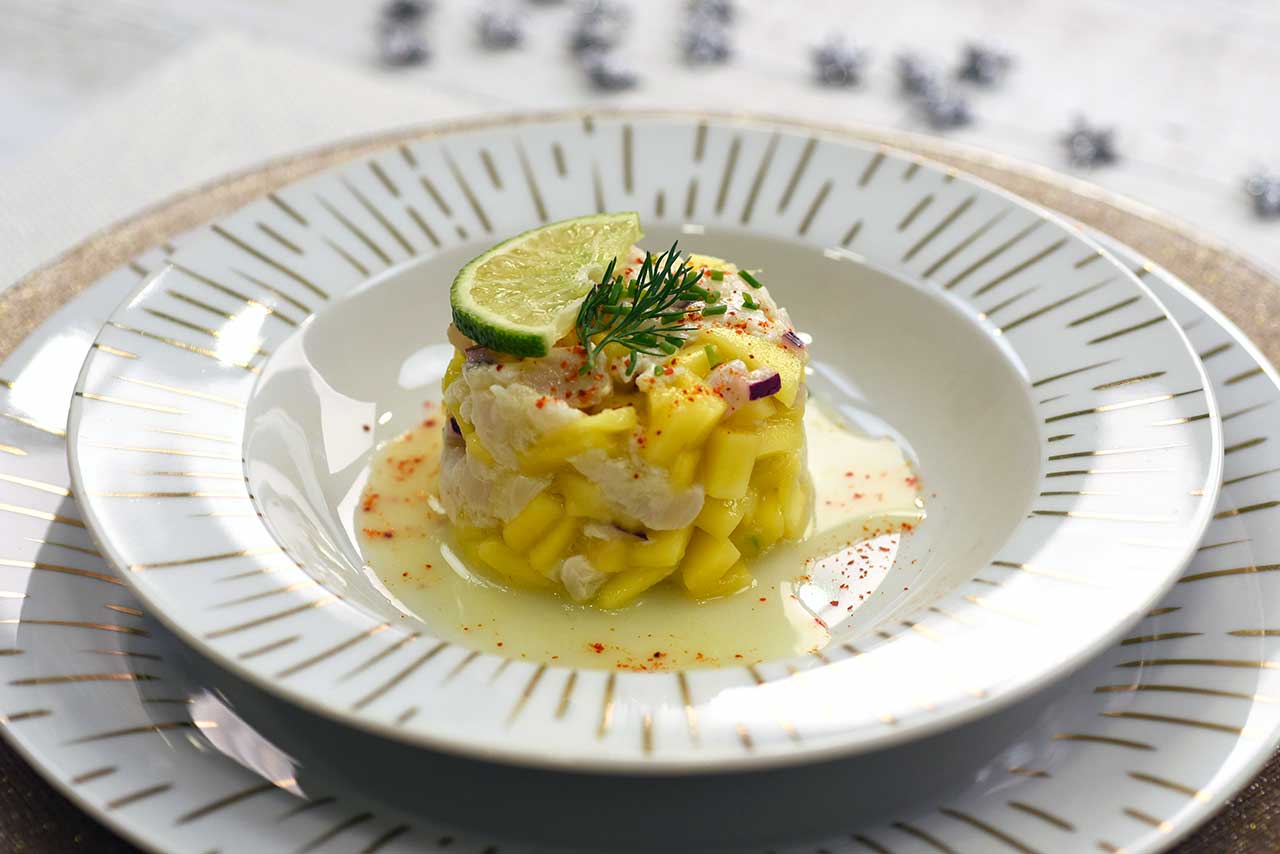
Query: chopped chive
<point x="713" y="310"/>
<point x="713" y="358"/>
<point x="631" y="363"/>
<point x="700" y="293"/>
<point x="713" y="296"/>
<point x="657" y="370"/>
<point x="667" y="347"/>
<point x="749" y="279"/>
<point x="717" y="275"/>
<point x="748" y="302"/>
<point x="646" y="338"/>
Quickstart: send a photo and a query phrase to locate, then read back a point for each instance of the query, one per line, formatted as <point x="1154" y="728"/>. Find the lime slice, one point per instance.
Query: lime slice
<point x="522" y="295"/>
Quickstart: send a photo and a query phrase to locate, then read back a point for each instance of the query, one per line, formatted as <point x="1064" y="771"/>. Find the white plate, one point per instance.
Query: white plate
<point x="1062" y="422"/>
<point x="1100" y="779"/>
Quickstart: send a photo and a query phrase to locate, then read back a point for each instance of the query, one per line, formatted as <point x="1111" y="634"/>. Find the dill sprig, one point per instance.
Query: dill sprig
<point x="645" y="315"/>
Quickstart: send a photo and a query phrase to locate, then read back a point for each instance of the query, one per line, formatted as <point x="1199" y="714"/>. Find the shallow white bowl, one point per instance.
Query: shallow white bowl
<point x="1062" y="421"/>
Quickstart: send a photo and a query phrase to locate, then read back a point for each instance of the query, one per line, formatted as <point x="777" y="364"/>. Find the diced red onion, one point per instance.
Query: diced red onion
<point x="764" y="386"/>
<point x="479" y="355"/>
<point x="791" y="338"/>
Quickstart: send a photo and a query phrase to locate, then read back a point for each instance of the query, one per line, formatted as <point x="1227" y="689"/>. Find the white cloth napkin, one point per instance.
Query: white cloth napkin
<point x="227" y="104"/>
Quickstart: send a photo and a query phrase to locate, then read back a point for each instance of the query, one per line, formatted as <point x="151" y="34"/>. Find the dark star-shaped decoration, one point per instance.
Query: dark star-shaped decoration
<point x="598" y="25"/>
<point x="915" y="75"/>
<point x="944" y="108"/>
<point x="705" y="42"/>
<point x="1088" y="146"/>
<point x="500" y="28"/>
<point x="1264" y="190"/>
<point x="719" y="10"/>
<point x="407" y="11"/>
<point x="606" y="72"/>
<point x="837" y="63"/>
<point x="984" y="65"/>
<point x="400" y="45"/>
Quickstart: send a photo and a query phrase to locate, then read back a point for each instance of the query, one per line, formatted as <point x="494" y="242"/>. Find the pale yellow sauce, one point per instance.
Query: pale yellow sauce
<point x="866" y="497"/>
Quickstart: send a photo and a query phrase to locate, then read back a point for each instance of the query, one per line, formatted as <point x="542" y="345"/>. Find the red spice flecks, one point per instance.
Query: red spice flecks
<point x="370" y="502"/>
<point x="540" y="402"/>
<point x="430" y="422"/>
<point x="385" y="534"/>
<point x="500" y="367"/>
<point x="598" y="647"/>
<point x="365" y="427"/>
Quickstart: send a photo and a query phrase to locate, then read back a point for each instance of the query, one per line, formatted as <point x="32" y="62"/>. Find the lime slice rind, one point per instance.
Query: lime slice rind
<point x="522" y="296"/>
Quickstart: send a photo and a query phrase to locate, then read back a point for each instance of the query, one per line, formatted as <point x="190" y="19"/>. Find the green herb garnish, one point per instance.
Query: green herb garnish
<point x="645" y="315"/>
<point x="717" y="275"/>
<point x="749" y="279"/>
<point x="714" y="310"/>
<point x="748" y="302"/>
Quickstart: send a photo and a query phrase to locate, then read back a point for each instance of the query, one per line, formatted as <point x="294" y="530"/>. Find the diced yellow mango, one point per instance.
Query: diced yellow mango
<point x="624" y="587"/>
<point x="776" y="469"/>
<point x="453" y="371"/>
<point x="780" y="433"/>
<point x="683" y="470"/>
<point x="737" y="578"/>
<point x="607" y="554"/>
<point x="728" y="460"/>
<point x="695" y="360"/>
<point x="582" y="434"/>
<point x="719" y="518"/>
<point x="706" y="560"/>
<point x="526" y="527"/>
<point x="768" y="519"/>
<point x="711" y="262"/>
<point x="679" y="419"/>
<point x="663" y="548"/>
<point x="755" y="353"/>
<point x="746" y="539"/>
<point x="509" y="563"/>
<point x="797" y="507"/>
<point x="754" y="412"/>
<point x="552" y="548"/>
<point x="582" y="498"/>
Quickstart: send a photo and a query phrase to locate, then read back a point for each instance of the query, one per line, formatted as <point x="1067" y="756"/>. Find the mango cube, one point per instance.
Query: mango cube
<point x="663" y="548"/>
<point x="728" y="460"/>
<point x="781" y="433"/>
<point x="718" y="518"/>
<point x="683" y="470"/>
<point x="775" y="470"/>
<point x="696" y="360"/>
<point x="754" y="412"/>
<point x="582" y="498"/>
<point x="623" y="588"/>
<point x="756" y="353"/>
<point x="537" y="517"/>
<point x="768" y="519"/>
<point x="553" y="547"/>
<point x="737" y="578"/>
<point x="796" y="508"/>
<point x="607" y="554"/>
<point x="554" y="448"/>
<point x="706" y="560"/>
<point x="509" y="563"/>
<point x="679" y="419"/>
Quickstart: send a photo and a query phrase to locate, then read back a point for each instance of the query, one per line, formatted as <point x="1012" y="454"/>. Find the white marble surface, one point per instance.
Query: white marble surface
<point x="1188" y="85"/>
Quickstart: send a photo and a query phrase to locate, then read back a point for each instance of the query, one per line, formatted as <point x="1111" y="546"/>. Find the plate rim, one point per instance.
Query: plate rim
<point x="64" y="283"/>
<point x="1261" y="755"/>
<point x="761" y="756"/>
